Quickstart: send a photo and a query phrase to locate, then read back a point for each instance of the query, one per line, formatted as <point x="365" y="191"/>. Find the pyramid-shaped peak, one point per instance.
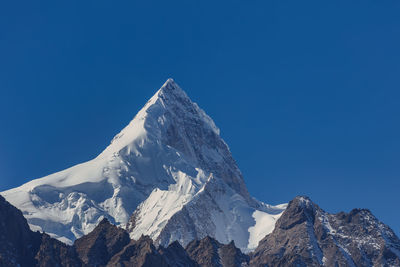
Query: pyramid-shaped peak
<point x="171" y="97"/>
<point x="169" y="109"/>
<point x="169" y="82"/>
<point x="171" y="89"/>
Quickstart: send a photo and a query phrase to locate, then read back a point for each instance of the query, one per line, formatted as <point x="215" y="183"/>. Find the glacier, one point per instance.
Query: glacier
<point x="168" y="174"/>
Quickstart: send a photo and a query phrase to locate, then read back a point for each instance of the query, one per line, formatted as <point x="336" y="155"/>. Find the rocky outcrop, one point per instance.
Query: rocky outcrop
<point x="18" y="244"/>
<point x="99" y="246"/>
<point x="108" y="245"/>
<point x="55" y="253"/>
<point x="139" y="253"/>
<point x="306" y="235"/>
<point x="231" y="256"/>
<point x="209" y="252"/>
<point x="175" y="255"/>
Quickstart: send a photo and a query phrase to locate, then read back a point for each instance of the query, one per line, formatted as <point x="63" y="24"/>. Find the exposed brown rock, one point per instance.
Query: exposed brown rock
<point x="231" y="256"/>
<point x="204" y="251"/>
<point x="18" y="244"/>
<point x="139" y="253"/>
<point x="305" y="235"/>
<point x="209" y="252"/>
<point x="175" y="255"/>
<point x="98" y="247"/>
<point x="55" y="253"/>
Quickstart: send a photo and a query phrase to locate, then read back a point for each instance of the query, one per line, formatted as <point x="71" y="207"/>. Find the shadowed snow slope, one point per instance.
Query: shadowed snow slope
<point x="169" y="168"/>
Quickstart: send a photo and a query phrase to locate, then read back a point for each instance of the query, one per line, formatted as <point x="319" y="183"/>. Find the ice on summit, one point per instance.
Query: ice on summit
<point x="168" y="174"/>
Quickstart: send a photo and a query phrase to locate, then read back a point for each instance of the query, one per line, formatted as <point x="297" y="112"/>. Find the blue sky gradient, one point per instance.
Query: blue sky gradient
<point x="306" y="94"/>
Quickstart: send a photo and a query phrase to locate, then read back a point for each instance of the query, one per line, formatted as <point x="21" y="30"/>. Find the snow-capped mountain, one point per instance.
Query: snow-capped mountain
<point x="169" y="168"/>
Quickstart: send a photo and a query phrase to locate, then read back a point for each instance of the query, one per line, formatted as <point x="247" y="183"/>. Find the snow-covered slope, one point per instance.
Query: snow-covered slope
<point x="169" y="167"/>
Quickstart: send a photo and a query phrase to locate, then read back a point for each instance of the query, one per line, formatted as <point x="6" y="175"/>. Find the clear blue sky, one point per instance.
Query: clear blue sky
<point x="306" y="93"/>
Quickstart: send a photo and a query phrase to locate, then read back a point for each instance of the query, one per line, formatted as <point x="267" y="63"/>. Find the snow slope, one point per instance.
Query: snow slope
<point x="168" y="167"/>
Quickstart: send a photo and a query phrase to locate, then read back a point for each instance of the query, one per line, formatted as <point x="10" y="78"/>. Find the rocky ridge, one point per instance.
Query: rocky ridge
<point x="305" y="235"/>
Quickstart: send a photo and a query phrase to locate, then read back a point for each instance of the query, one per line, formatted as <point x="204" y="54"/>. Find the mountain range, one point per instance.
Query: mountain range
<point x="167" y="192"/>
<point x="305" y="235"/>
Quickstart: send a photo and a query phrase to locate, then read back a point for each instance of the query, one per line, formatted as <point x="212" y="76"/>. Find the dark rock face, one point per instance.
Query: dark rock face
<point x="97" y="247"/>
<point x="142" y="253"/>
<point x="175" y="255"/>
<point x="209" y="252"/>
<point x="55" y="253"/>
<point x="18" y="244"/>
<point x="108" y="245"/>
<point x="204" y="251"/>
<point x="139" y="253"/>
<point x="232" y="256"/>
<point x="306" y="235"/>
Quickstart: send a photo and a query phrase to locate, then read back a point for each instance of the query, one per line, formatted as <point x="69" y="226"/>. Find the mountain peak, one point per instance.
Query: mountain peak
<point x="169" y="86"/>
<point x="157" y="168"/>
<point x="169" y="109"/>
<point x="171" y="90"/>
<point x="306" y="235"/>
<point x="170" y="83"/>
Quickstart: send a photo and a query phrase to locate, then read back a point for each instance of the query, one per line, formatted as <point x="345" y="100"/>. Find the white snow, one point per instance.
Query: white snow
<point x="265" y="224"/>
<point x="161" y="205"/>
